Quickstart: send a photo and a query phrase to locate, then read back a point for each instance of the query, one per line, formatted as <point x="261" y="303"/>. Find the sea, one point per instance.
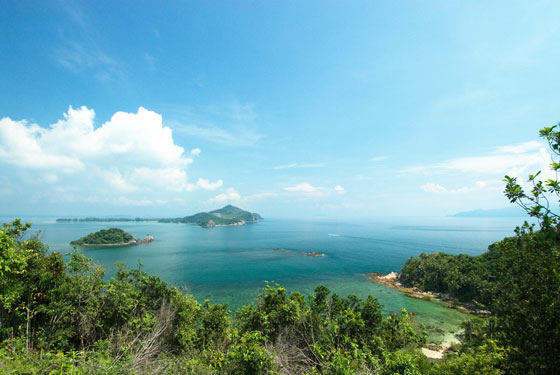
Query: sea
<point x="232" y="264"/>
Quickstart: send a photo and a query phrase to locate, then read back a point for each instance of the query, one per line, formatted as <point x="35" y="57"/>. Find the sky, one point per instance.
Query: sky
<point x="315" y="109"/>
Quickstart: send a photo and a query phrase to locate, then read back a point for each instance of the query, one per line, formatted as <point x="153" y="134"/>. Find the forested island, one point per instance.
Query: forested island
<point x="110" y="237"/>
<point x="228" y="215"/>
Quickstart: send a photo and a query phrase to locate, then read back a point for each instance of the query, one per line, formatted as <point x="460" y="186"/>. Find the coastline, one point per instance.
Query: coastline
<point x="135" y="241"/>
<point x="391" y="280"/>
<point x="433" y="351"/>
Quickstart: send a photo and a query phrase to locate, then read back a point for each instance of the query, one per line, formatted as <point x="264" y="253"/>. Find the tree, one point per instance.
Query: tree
<point x="527" y="294"/>
<point x="537" y="201"/>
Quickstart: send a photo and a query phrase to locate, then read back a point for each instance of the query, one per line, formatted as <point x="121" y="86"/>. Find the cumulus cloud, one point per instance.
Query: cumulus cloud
<point x="230" y="195"/>
<point x="132" y="152"/>
<point x="204" y="184"/>
<point x="339" y="189"/>
<point x="302" y="187"/>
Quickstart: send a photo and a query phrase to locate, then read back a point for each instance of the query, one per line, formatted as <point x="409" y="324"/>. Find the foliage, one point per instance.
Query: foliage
<point x="517" y="278"/>
<point x="105" y="237"/>
<point x="527" y="301"/>
<point x="464" y="277"/>
<point x="486" y="359"/>
<point x="537" y="201"/>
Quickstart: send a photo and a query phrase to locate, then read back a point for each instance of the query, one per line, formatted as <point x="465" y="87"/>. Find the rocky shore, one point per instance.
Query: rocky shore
<point x="392" y="280"/>
<point x="309" y="254"/>
<point x="135" y="241"/>
<point x="431" y="351"/>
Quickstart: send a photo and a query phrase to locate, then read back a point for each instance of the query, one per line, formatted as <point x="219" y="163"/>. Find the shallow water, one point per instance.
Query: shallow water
<point x="231" y="264"/>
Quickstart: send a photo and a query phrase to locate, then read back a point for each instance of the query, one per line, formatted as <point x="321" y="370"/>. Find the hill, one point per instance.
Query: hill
<point x="228" y="215"/>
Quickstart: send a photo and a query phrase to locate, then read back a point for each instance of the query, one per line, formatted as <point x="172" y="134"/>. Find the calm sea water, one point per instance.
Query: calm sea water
<point x="230" y="264"/>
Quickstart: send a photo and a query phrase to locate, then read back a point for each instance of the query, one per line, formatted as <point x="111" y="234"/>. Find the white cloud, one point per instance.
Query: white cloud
<point x="20" y="145"/>
<point x="230" y="195"/>
<point x="173" y="178"/>
<point x="477" y="187"/>
<point x="433" y="188"/>
<point x="302" y="187"/>
<point x="114" y="179"/>
<point x="520" y="148"/>
<point x="314" y="191"/>
<point x="204" y="184"/>
<point x="514" y="160"/>
<point x="130" y="153"/>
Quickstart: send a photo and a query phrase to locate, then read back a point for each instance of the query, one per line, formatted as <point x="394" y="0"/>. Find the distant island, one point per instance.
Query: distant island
<point x="110" y="237"/>
<point x="103" y="219"/>
<point x="228" y="215"/>
<point x="513" y="211"/>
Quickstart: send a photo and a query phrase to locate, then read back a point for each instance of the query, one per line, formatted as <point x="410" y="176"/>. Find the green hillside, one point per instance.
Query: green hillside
<point x="228" y="215"/>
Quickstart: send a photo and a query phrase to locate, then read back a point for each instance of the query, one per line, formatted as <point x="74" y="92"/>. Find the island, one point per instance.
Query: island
<point x="228" y="215"/>
<point x="111" y="237"/>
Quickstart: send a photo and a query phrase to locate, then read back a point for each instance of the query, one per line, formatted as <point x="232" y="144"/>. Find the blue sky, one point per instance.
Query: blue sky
<point x="313" y="109"/>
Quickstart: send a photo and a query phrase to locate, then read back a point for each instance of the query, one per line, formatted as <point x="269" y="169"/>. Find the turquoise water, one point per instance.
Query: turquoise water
<point x="230" y="264"/>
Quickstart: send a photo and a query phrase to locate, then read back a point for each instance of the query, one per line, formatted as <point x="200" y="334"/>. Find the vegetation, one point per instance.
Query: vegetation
<point x="518" y="279"/>
<point x="105" y="237"/>
<point x="228" y="215"/>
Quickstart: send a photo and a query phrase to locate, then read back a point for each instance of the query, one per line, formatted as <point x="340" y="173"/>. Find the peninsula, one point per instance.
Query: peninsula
<point x="228" y="215"/>
<point x="110" y="237"/>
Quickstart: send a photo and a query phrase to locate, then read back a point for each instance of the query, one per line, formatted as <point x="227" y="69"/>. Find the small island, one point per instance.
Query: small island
<point x="110" y="237"/>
